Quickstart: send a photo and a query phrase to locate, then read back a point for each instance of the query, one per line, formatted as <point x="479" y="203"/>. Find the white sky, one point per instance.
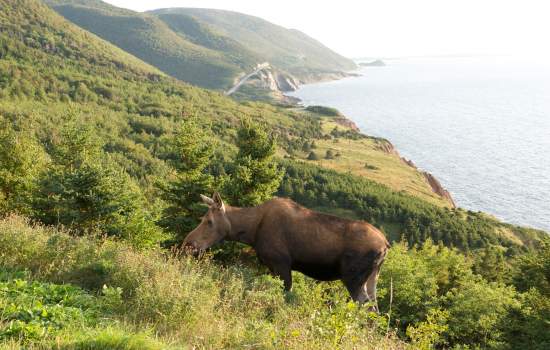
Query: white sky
<point x="389" y="28"/>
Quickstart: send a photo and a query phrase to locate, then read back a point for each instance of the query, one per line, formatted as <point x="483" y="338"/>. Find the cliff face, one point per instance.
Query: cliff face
<point x="436" y="186"/>
<point x="347" y="123"/>
<point x="274" y="80"/>
<point x="287" y="82"/>
<point x="386" y="146"/>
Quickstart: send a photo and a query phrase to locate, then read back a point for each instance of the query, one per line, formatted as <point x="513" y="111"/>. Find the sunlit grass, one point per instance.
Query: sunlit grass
<point x="153" y="300"/>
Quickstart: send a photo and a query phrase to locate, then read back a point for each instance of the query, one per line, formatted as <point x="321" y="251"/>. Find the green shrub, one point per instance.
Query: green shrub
<point x="313" y="156"/>
<point x="197" y="302"/>
<point x="476" y="311"/>
<point x="328" y="111"/>
<point x="33" y="310"/>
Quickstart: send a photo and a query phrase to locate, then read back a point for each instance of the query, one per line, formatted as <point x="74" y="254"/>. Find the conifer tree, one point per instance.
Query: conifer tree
<point x="191" y="152"/>
<point x="255" y="175"/>
<point x="85" y="189"/>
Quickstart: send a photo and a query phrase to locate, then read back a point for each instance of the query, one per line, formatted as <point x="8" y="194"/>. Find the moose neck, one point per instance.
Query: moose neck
<point x="244" y="223"/>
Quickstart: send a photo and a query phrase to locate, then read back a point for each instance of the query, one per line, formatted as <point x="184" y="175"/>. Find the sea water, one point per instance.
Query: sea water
<point x="481" y="125"/>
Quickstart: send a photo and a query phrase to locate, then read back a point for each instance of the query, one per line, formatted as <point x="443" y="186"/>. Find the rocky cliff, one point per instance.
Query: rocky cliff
<point x="437" y="188"/>
<point x="346" y="123"/>
<point x="274" y="80"/>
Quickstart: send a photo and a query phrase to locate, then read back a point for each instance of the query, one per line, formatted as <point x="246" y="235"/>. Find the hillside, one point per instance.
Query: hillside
<point x="89" y="137"/>
<point x="49" y="64"/>
<point x="193" y="50"/>
<point x="154" y="42"/>
<point x="287" y="49"/>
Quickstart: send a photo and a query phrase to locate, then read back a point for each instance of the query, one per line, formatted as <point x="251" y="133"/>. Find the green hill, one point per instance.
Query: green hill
<point x="287" y="49"/>
<point x="87" y="137"/>
<point x="189" y="45"/>
<point x="50" y="68"/>
<point x="151" y="40"/>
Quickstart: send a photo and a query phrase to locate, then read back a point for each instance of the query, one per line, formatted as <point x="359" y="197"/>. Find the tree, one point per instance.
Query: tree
<point x="84" y="188"/>
<point x="21" y="160"/>
<point x="255" y="176"/>
<point x="491" y="264"/>
<point x="527" y="324"/>
<point x="532" y="270"/>
<point x="477" y="309"/>
<point x="191" y="153"/>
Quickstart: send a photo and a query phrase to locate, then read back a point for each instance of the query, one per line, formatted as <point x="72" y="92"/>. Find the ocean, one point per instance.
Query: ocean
<point x="481" y="125"/>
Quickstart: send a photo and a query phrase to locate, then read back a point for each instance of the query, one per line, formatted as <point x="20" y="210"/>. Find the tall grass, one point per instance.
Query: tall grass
<point x="184" y="302"/>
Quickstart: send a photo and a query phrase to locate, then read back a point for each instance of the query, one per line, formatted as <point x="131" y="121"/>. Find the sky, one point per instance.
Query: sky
<point x="399" y="28"/>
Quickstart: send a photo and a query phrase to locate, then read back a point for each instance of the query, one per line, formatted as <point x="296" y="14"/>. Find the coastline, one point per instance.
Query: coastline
<point x="388" y="147"/>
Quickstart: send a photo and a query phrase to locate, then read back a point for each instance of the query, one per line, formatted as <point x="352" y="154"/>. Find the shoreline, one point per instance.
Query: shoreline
<point x="432" y="181"/>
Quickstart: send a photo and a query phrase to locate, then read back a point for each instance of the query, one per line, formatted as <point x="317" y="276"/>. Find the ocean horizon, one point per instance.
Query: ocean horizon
<point x="480" y="124"/>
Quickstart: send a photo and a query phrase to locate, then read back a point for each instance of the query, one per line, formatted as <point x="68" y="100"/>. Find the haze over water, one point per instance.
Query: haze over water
<point x="481" y="125"/>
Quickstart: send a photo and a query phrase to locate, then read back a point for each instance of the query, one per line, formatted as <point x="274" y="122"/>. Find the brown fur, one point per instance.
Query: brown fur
<point x="287" y="236"/>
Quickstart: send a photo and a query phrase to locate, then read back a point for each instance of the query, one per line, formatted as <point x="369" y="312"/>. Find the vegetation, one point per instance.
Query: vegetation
<point x="328" y="111"/>
<point x="105" y="293"/>
<point x="254" y="176"/>
<point x="156" y="43"/>
<point x="88" y="291"/>
<point x="190" y="154"/>
<point x="286" y="49"/>
<point x="189" y="45"/>
<point x="102" y="158"/>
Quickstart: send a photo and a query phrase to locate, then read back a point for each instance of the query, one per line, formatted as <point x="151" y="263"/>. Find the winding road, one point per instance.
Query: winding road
<point x="259" y="67"/>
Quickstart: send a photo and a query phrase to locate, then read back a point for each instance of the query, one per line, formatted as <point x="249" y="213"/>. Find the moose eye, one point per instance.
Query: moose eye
<point x="209" y="222"/>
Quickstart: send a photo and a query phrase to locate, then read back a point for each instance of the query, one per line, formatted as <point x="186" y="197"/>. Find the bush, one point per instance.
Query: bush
<point x="313" y="156"/>
<point x="21" y="161"/>
<point x="328" y="111"/>
<point x="192" y="302"/>
<point x="476" y="311"/>
<point x="33" y="310"/>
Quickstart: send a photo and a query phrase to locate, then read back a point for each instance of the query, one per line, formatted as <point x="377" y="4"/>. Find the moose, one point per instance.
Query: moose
<point x="287" y="236"/>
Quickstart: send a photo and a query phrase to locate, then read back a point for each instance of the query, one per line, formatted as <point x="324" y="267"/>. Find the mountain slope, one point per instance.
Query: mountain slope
<point x="206" y="48"/>
<point x="51" y="69"/>
<point x="286" y="49"/>
<point x="150" y="39"/>
<point x="52" y="72"/>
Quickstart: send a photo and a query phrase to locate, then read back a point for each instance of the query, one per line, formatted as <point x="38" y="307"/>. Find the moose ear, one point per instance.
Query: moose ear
<point x="207" y="200"/>
<point x="218" y="201"/>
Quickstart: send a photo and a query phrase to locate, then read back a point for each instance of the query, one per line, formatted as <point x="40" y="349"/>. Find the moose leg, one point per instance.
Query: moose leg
<point x="361" y="278"/>
<point x="282" y="270"/>
<point x="355" y="282"/>
<point x="370" y="288"/>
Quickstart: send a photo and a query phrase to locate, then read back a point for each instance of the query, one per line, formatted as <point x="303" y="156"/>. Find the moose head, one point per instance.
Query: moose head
<point x="213" y="228"/>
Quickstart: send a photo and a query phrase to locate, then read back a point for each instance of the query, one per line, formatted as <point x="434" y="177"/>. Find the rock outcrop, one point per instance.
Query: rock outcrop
<point x="386" y="146"/>
<point x="287" y="82"/>
<point x="348" y="123"/>
<point x="274" y="80"/>
<point x="438" y="188"/>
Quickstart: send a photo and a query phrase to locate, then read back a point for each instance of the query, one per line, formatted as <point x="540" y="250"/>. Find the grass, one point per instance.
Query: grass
<point x="153" y="300"/>
<point x="364" y="157"/>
